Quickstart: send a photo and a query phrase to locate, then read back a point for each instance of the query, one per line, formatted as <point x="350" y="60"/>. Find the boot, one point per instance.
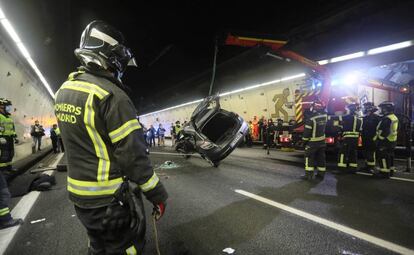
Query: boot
<point x="11" y="223"/>
<point x="307" y="176"/>
<point x="320" y="175"/>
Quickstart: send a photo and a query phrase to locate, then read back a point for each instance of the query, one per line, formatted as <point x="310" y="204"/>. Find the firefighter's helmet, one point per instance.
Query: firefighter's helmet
<point x="317" y="106"/>
<point x="103" y="46"/>
<point x="387" y="107"/>
<point x="369" y="107"/>
<point x="5" y="102"/>
<point x="352" y="108"/>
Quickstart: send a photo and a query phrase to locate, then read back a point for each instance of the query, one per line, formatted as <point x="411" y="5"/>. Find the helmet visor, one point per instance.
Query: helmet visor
<point x="132" y="62"/>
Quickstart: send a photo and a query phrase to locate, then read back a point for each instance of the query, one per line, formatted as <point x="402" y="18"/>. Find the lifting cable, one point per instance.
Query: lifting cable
<point x="157" y="244"/>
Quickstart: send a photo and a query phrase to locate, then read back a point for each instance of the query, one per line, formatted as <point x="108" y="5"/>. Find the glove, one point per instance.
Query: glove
<point x="117" y="217"/>
<point x="159" y="210"/>
<point x="16" y="140"/>
<point x="3" y="140"/>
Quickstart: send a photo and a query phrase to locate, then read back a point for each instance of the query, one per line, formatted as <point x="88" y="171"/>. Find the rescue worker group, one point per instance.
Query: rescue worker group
<point x="378" y="133"/>
<point x="108" y="167"/>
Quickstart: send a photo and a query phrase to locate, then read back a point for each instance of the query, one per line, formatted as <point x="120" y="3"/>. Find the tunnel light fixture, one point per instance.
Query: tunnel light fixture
<point x="323" y="62"/>
<point x="10" y="30"/>
<point x="232" y="92"/>
<point x="23" y="50"/>
<point x="348" y="57"/>
<point x="2" y="16"/>
<point x="391" y="47"/>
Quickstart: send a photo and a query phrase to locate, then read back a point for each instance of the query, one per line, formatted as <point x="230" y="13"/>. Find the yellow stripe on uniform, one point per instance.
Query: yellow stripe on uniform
<point x="150" y="184"/>
<point x="88" y="188"/>
<point x="123" y="131"/>
<point x="308" y="168"/>
<point x="99" y="145"/>
<point x="85" y="87"/>
<point x="4" y="211"/>
<point x="5" y="164"/>
<point x="341" y="161"/>
<point x="131" y="250"/>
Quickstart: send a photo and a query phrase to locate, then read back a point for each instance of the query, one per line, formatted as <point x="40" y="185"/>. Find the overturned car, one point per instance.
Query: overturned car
<point x="211" y="132"/>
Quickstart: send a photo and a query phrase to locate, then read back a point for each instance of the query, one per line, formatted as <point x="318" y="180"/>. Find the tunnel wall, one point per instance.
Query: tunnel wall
<point x="256" y="102"/>
<point x="30" y="100"/>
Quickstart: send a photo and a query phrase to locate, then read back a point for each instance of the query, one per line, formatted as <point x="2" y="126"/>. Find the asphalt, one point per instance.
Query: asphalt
<point x="205" y="215"/>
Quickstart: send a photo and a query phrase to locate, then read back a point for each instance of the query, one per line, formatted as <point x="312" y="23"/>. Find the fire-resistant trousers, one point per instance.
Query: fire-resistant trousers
<point x="315" y="156"/>
<point x="348" y="153"/>
<point x="385" y="153"/>
<point x="109" y="242"/>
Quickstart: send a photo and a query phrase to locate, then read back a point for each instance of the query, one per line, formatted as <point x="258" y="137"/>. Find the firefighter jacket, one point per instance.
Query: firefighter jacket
<point x="369" y="127"/>
<point x="350" y="125"/>
<point x="98" y="125"/>
<point x="315" y="126"/>
<point x="7" y="128"/>
<point x="387" y="129"/>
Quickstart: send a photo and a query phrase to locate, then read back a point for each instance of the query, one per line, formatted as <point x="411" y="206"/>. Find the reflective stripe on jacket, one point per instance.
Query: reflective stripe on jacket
<point x="315" y="128"/>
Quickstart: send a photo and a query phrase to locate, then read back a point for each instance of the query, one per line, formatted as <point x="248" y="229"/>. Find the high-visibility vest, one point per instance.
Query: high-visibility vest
<point x="57" y="131"/>
<point x="6" y="126"/>
<point x="392" y="137"/>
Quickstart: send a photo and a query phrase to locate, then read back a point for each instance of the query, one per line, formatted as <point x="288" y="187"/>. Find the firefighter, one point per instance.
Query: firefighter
<point x="108" y="168"/>
<point x="369" y="126"/>
<point x="177" y="129"/>
<point x="386" y="139"/>
<point x="350" y="126"/>
<point x="314" y="139"/>
<point x="7" y="139"/>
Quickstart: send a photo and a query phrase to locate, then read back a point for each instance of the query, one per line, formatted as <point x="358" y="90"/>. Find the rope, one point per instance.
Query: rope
<point x="157" y="244"/>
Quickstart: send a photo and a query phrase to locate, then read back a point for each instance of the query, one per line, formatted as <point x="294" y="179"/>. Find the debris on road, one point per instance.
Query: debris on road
<point x="344" y="252"/>
<point x="168" y="165"/>
<point x="229" y="250"/>
<point x="37" y="221"/>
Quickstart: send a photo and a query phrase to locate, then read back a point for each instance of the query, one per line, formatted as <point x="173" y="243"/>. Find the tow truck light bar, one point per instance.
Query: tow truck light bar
<point x="12" y="33"/>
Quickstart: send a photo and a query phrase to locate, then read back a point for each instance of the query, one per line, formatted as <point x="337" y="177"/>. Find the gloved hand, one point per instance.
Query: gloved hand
<point x="3" y="140"/>
<point x="159" y="210"/>
<point x="117" y="217"/>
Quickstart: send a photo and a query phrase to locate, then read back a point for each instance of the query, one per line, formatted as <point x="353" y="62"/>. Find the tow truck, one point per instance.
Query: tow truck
<point x="319" y="85"/>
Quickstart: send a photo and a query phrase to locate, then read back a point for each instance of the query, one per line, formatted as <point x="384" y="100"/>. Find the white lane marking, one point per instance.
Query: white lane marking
<point x="350" y="231"/>
<point x="21" y="210"/>
<point x="362" y="173"/>
<point x="37" y="221"/>
<point x="392" y="178"/>
<point x="402" y="179"/>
